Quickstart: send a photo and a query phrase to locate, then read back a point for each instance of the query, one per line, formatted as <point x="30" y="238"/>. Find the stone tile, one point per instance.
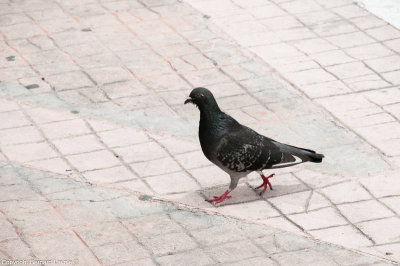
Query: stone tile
<point x="218" y="234"/>
<point x="385" y="64"/>
<point x="297" y="6"/>
<point x="392" y="202"/>
<point x="345" y="192"/>
<point x="29" y="152"/>
<point x="172" y="183"/>
<point x="350" y="11"/>
<point x="312" y="46"/>
<point x="109" y="175"/>
<point x="56" y="165"/>
<point x="13" y="119"/>
<point x="64" y="129"/>
<point x="318" y="219"/>
<point x="192" y="160"/>
<point x="8" y="105"/>
<point x="394" y="44"/>
<point x="80" y="215"/>
<point x="156" y="167"/>
<point x="109" y="75"/>
<point x="120" y="252"/>
<point x="333" y="27"/>
<point x="255" y="210"/>
<point x="375" y="50"/>
<point x="349" y="70"/>
<point x="257" y="261"/>
<point x="79" y="144"/>
<point x="8" y="231"/>
<point x="194" y="257"/>
<point x="93" y="160"/>
<point x="367" y="22"/>
<point x="366" y="82"/>
<point x="123" y="137"/>
<point x="268" y="244"/>
<point x="169" y="244"/>
<point x="38" y="222"/>
<point x="103" y="234"/>
<point x="382" y="185"/>
<point x="325" y="89"/>
<point x="310" y="77"/>
<point x="384" y="96"/>
<point x="209" y="176"/>
<point x="69" y="80"/>
<point x="291" y="242"/>
<point x="365" y="210"/>
<point x="303" y="257"/>
<point x="384" y="33"/>
<point x="206" y="77"/>
<point x="381" y="231"/>
<point x="292" y="203"/>
<point x="275" y="51"/>
<point x="234" y="251"/>
<point x="350" y="39"/>
<point x="177" y="145"/>
<point x="392" y="77"/>
<point x="391" y="251"/>
<point x="141" y="152"/>
<point x="20" y="135"/>
<point x="21" y="30"/>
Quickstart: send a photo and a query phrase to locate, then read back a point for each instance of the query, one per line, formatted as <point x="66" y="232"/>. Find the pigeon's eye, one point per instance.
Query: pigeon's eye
<point x="197" y="95"/>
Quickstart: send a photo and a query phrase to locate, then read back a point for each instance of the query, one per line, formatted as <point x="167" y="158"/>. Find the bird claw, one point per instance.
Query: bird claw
<point x="265" y="183"/>
<point x="221" y="198"/>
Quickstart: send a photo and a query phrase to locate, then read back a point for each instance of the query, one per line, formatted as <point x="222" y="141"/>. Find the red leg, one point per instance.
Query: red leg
<point x="220" y="198"/>
<point x="265" y="183"/>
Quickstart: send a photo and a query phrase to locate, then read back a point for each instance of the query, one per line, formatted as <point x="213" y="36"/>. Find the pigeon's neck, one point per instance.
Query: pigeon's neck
<point x="210" y="113"/>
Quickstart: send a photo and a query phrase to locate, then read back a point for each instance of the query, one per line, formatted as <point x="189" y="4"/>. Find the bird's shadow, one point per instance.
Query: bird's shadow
<point x="245" y="193"/>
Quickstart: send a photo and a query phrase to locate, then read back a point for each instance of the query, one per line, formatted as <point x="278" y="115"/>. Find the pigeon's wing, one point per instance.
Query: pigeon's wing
<point x="242" y="149"/>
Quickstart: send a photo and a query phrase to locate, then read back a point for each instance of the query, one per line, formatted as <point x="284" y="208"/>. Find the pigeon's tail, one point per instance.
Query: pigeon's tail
<point x="304" y="154"/>
<point x="315" y="157"/>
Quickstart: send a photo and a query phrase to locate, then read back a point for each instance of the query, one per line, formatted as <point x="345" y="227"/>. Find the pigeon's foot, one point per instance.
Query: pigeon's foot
<point x="265" y="183"/>
<point x="220" y="198"/>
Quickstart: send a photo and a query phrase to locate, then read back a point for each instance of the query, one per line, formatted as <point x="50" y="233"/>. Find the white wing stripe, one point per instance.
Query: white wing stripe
<point x="298" y="160"/>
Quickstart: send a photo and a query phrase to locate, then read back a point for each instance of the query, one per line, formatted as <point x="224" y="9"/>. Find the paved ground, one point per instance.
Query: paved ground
<point x="94" y="91"/>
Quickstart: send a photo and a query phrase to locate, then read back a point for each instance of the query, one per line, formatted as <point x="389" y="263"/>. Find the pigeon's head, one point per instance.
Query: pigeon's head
<point x="202" y="97"/>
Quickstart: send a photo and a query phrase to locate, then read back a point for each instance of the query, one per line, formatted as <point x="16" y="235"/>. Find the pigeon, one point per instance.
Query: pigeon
<point x="238" y="150"/>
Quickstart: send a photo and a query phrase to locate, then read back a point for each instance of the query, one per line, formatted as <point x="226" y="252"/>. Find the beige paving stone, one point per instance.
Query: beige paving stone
<point x="303" y="257"/>
<point x="350" y="11"/>
<point x="392" y="77"/>
<point x="325" y="89"/>
<point x="332" y="57"/>
<point x="292" y="203"/>
<point x="384" y="96"/>
<point x="381" y="231"/>
<point x="393" y="203"/>
<point x="56" y="165"/>
<point x="120" y="252"/>
<point x="168" y="244"/>
<point x="312" y="46"/>
<point x="385" y="64"/>
<point x="29" y="152"/>
<point x="136" y="185"/>
<point x="122" y="137"/>
<point x="109" y="175"/>
<point x="310" y="76"/>
<point x="93" y="160"/>
<point x="156" y="167"/>
<point x="394" y="44"/>
<point x="394" y="109"/>
<point x="13" y="119"/>
<point x="326" y="217"/>
<point x="209" y="176"/>
<point x="171" y="183"/>
<point x="333" y="27"/>
<point x="384" y="33"/>
<point x="274" y="51"/>
<point x="20" y="135"/>
<point x="350" y="39"/>
<point x="8" y="105"/>
<point x="78" y="144"/>
<point x="217" y="235"/>
<point x="367" y="22"/>
<point x="390" y="251"/>
<point x="256" y="210"/>
<point x="141" y="152"/>
<point x="192" y="160"/>
<point x="349" y="70"/>
<point x="365" y="210"/>
<point x="345" y="192"/>
<point x="236" y="250"/>
<point x="382" y="185"/>
<point x="367" y="82"/>
<point x="177" y="145"/>
<point x="370" y="51"/>
<point x="194" y="257"/>
<point x="64" y="129"/>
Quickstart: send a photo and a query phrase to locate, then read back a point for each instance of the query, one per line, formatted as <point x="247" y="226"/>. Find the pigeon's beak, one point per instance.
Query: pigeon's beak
<point x="189" y="100"/>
